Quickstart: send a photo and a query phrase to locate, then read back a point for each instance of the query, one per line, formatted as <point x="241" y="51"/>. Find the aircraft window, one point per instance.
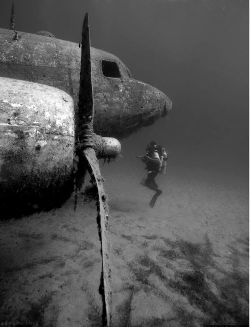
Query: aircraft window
<point x="110" y="69"/>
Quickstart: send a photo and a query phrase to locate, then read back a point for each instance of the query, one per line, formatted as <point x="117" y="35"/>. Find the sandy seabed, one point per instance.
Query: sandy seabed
<point x="182" y="263"/>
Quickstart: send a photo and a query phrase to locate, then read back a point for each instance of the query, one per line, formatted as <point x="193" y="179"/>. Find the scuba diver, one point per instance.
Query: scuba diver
<point x="156" y="162"/>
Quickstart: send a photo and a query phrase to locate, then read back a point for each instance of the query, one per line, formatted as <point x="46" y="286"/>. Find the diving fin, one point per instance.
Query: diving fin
<point x="154" y="198"/>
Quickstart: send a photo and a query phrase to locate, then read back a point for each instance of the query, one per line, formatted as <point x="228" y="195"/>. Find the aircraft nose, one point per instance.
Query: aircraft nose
<point x="164" y="103"/>
<point x="164" y="112"/>
<point x="156" y="104"/>
<point x="145" y="105"/>
<point x="166" y="107"/>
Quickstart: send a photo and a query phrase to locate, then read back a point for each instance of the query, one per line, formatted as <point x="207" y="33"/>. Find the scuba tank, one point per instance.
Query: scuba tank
<point x="164" y="159"/>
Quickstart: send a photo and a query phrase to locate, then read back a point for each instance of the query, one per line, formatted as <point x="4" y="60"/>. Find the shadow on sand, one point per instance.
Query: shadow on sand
<point x="191" y="278"/>
<point x="167" y="283"/>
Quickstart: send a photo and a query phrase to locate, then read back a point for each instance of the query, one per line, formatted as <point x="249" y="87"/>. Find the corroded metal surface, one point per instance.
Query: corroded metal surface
<point x="36" y="160"/>
<point x="103" y="229"/>
<point x="106" y="147"/>
<point x="87" y="159"/>
<point x="122" y="105"/>
<point x="45" y="132"/>
<point x="36" y="143"/>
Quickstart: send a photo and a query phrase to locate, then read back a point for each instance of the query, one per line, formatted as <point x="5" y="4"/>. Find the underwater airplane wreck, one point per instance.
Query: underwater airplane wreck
<point x="39" y="83"/>
<point x="63" y="106"/>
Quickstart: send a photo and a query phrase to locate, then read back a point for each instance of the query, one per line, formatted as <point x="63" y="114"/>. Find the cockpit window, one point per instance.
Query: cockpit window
<point x="110" y="69"/>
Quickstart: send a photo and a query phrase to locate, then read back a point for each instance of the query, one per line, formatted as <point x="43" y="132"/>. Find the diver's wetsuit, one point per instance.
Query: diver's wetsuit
<point x="152" y="166"/>
<point x="150" y="180"/>
<point x="155" y="161"/>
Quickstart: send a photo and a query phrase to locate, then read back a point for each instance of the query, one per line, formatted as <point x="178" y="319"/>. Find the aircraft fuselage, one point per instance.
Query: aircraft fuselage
<point x="122" y="104"/>
<point x="39" y="88"/>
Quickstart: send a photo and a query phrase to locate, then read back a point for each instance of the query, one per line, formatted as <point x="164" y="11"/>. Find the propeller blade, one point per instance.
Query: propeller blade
<point x="85" y="159"/>
<point x="85" y="114"/>
<point x="103" y="222"/>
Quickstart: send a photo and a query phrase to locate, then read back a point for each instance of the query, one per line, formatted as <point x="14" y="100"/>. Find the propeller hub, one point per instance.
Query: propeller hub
<point x="106" y="147"/>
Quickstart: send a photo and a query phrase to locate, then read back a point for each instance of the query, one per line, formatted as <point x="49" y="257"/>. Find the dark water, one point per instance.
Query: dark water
<point x="195" y="51"/>
<point x="185" y="262"/>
